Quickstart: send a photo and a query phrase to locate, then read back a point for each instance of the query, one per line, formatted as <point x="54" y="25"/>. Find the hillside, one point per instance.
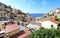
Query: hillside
<point x="54" y="13"/>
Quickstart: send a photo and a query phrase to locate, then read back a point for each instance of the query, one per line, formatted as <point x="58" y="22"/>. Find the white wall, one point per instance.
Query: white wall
<point x="47" y="24"/>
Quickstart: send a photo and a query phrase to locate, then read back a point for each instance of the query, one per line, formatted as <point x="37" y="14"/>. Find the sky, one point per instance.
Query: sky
<point x="33" y="6"/>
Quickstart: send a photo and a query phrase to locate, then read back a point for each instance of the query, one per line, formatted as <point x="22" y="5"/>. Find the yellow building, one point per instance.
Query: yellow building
<point x="1" y="26"/>
<point x="14" y="10"/>
<point x="2" y="31"/>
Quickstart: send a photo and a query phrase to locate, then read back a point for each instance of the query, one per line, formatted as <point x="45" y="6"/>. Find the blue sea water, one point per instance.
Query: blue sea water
<point x="36" y="15"/>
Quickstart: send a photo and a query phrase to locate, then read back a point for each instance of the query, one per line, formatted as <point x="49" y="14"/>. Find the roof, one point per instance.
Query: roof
<point x="30" y="25"/>
<point x="21" y="34"/>
<point x="11" y="27"/>
<point x="34" y="26"/>
<point x="28" y="20"/>
<point x="11" y="20"/>
<point x="26" y="33"/>
<point x="53" y="20"/>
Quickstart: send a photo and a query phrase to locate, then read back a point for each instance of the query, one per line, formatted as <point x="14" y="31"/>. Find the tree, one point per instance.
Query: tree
<point x="52" y="14"/>
<point x="56" y="18"/>
<point x="23" y="19"/>
<point x="45" y="33"/>
<point x="9" y="6"/>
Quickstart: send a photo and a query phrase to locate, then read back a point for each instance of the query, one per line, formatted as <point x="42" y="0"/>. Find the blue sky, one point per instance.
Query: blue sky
<point x="33" y="6"/>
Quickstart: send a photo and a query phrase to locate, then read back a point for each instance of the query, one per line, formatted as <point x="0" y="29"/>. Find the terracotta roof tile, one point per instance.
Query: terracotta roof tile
<point x="53" y="20"/>
<point x="28" y="20"/>
<point x="12" y="27"/>
<point x="25" y="34"/>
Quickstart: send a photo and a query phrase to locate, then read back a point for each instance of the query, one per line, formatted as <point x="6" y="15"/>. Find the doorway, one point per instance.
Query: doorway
<point x="2" y="37"/>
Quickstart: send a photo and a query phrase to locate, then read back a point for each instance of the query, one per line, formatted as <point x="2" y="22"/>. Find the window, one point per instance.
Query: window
<point x="5" y="23"/>
<point x="18" y="23"/>
<point x="52" y="26"/>
<point x="1" y="14"/>
<point x="0" y="29"/>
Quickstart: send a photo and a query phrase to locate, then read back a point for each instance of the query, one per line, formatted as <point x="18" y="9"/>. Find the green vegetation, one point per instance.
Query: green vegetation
<point x="20" y="12"/>
<point x="9" y="6"/>
<point x="45" y="33"/>
<point x="57" y="19"/>
<point x="51" y="14"/>
<point x="23" y="19"/>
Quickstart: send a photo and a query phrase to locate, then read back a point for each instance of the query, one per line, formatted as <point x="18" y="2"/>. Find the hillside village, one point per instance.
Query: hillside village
<point x="16" y="24"/>
<point x="11" y="19"/>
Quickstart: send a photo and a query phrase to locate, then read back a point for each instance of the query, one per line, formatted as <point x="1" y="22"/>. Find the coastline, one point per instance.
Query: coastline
<point x="36" y="15"/>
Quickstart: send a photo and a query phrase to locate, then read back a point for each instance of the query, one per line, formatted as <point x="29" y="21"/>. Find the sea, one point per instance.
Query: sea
<point x="36" y="15"/>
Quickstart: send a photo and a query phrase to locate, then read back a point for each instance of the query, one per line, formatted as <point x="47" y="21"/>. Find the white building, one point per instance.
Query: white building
<point x="34" y="26"/>
<point x="49" y="23"/>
